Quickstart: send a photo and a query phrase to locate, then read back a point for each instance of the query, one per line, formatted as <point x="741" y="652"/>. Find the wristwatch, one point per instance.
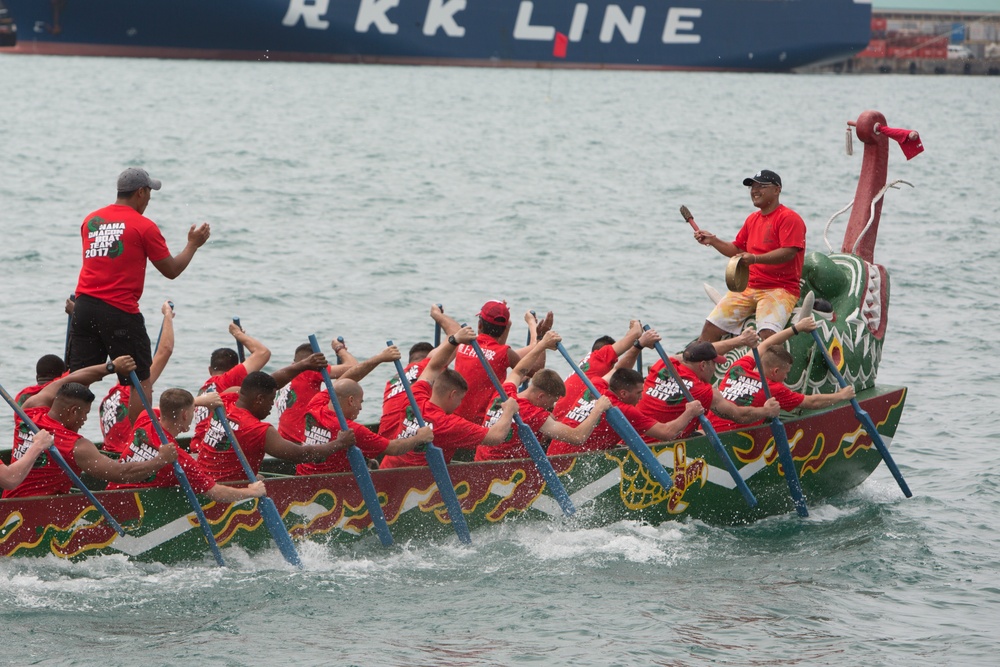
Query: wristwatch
<point x="110" y="367"/>
<point x="452" y="340"/>
<point x="637" y="345"/>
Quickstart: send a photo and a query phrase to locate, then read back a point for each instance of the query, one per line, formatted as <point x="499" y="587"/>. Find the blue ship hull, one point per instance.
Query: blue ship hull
<point x="769" y="35"/>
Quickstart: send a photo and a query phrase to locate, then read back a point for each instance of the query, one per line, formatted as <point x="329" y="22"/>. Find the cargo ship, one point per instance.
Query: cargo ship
<point x="740" y="35"/>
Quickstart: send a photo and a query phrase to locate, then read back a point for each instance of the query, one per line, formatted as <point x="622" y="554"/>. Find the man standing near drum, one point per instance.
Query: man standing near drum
<point x="117" y="242"/>
<point x="772" y="242"/>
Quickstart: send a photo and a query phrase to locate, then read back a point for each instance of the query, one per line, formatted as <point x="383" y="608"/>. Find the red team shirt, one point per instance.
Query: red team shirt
<point x="512" y="447"/>
<point x="481" y="391"/>
<point x="322" y="426"/>
<point x="115" y="425"/>
<point x="302" y="388"/>
<point x="595" y="365"/>
<point x="145" y="444"/>
<point x="46" y="477"/>
<point x="664" y="401"/>
<point x="782" y="228"/>
<point x="117" y="240"/>
<point x="215" y="452"/>
<point x="395" y="401"/>
<point x="742" y="386"/>
<point x="604" y="436"/>
<point x="451" y="432"/>
<point x="218" y="383"/>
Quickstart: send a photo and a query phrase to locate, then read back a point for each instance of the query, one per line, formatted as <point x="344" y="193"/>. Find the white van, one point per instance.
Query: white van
<point x="959" y="52"/>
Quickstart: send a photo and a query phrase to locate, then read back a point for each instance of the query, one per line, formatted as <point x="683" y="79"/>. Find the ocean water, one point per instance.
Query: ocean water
<point x="345" y="200"/>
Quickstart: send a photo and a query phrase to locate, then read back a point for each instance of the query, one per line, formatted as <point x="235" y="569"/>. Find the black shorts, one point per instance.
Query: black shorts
<point x="100" y="332"/>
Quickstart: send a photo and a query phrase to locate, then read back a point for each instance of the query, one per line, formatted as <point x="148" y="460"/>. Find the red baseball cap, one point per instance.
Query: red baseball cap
<point x="495" y="312"/>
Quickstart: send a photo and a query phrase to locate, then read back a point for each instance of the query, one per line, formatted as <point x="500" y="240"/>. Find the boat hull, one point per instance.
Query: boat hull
<point x="831" y="452"/>
<point x="772" y="35"/>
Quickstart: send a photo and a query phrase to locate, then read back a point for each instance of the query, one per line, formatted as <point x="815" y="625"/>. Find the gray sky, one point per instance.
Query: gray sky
<point x="943" y="5"/>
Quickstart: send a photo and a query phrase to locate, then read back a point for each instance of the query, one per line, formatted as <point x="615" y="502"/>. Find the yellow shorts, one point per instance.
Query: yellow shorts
<point x="771" y="308"/>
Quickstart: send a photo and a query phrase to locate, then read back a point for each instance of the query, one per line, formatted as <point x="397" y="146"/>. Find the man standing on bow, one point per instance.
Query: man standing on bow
<point x="117" y="241"/>
<point x="772" y="241"/>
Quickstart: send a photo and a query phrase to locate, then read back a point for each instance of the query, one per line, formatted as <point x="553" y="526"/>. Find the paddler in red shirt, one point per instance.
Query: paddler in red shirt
<point x="663" y="399"/>
<point x="62" y="409"/>
<point x="293" y="399"/>
<point x="438" y="393"/>
<point x="535" y="406"/>
<point x="245" y="412"/>
<point x="175" y="414"/>
<point x="117" y="242"/>
<point x="772" y="241"/>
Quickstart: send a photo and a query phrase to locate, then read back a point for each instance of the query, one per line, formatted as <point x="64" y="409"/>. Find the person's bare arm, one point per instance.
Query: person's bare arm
<point x="345" y="359"/>
<point x="499" y="431"/>
<point x="776" y="256"/>
<point x="96" y="464"/>
<point x="664" y="431"/>
<point x="171" y="267"/>
<point x="817" y="401"/>
<point x="626" y="342"/>
<point x="534" y="359"/>
<point x="259" y="354"/>
<point x="724" y="247"/>
<point x="363" y="368"/>
<point x="647" y="339"/>
<point x="448" y="325"/>
<point x="280" y="448"/>
<point x="442" y="355"/>
<point x="748" y="338"/>
<point x="165" y="348"/>
<point x="222" y="493"/>
<point x="577" y="435"/>
<point x="743" y="414"/>
<point x="401" y="446"/>
<point x="314" y="362"/>
<point x="14" y="474"/>
<point x="85" y="376"/>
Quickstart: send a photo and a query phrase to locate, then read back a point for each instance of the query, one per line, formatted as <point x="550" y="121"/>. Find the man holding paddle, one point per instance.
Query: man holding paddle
<point x="742" y="383"/>
<point x="117" y="242"/>
<point x="772" y="241"/>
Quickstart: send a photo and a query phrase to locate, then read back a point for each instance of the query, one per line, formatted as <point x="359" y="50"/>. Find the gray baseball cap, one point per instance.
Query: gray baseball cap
<point x="134" y="178"/>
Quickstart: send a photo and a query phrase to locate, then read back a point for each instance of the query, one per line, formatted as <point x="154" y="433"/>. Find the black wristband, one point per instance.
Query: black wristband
<point x="794" y="330"/>
<point x="452" y="340"/>
<point x="110" y="367"/>
<point x="637" y="345"/>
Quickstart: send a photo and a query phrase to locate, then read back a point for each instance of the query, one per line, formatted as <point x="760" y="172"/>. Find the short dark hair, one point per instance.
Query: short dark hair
<point x="780" y="354"/>
<point x="451" y="379"/>
<point x="601" y="342"/>
<point x="490" y="329"/>
<point x="173" y="400"/>
<point x="74" y="391"/>
<point x="625" y="378"/>
<point x="49" y="367"/>
<point x="127" y="194"/>
<point x="303" y="351"/>
<point x="419" y="351"/>
<point x="224" y="359"/>
<point x="549" y="381"/>
<point x="257" y="384"/>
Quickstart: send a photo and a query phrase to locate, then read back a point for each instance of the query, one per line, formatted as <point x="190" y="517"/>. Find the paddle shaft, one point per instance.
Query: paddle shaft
<point x="784" y="449"/>
<point x="530" y="442"/>
<point x="268" y="511"/>
<point x="437" y="328"/>
<point x="623" y="427"/>
<point x="69" y="330"/>
<point x="61" y="462"/>
<point x="362" y="476"/>
<point x="865" y="419"/>
<point x="340" y="339"/>
<point x="706" y="425"/>
<point x="239" y="345"/>
<point x="437" y="464"/>
<point x="181" y="476"/>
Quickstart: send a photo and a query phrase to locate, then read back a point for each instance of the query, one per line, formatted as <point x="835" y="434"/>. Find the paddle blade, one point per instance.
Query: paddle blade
<point x="439" y="469"/>
<point x="363" y="478"/>
<point x="623" y="427"/>
<point x="274" y="524"/>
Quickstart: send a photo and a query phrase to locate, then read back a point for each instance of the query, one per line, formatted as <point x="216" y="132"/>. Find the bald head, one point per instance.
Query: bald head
<point x="350" y="396"/>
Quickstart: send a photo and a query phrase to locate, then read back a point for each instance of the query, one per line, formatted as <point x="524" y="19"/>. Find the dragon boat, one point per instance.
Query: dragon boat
<point x="832" y="451"/>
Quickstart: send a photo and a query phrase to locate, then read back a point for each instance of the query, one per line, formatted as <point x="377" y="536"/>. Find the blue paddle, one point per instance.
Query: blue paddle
<point x="438" y="466"/>
<point x="706" y="425"/>
<point x="530" y="442"/>
<point x="437" y="328"/>
<point x="239" y="345"/>
<point x="362" y="476"/>
<point x="623" y="427"/>
<point x="784" y="449"/>
<point x="61" y="462"/>
<point x="865" y="419"/>
<point x="181" y="476"/>
<point x="524" y="384"/>
<point x="268" y="511"/>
